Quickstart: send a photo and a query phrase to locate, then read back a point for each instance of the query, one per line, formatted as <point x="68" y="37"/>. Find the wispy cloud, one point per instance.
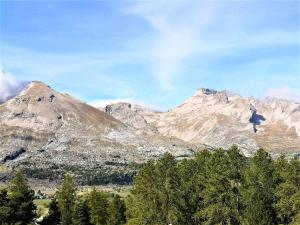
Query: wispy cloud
<point x="201" y="30"/>
<point x="124" y="50"/>
<point x="101" y="103"/>
<point x="9" y="86"/>
<point x="284" y="92"/>
<point x="174" y="39"/>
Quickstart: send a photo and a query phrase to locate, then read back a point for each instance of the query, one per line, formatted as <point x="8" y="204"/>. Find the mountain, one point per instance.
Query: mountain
<point x="46" y="133"/>
<point x="220" y="119"/>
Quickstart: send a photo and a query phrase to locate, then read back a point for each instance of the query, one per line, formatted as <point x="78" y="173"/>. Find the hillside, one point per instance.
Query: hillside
<point x="220" y="119"/>
<point x="48" y="133"/>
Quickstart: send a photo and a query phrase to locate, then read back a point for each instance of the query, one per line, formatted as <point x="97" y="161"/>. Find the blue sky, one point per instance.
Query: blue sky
<point x="153" y="52"/>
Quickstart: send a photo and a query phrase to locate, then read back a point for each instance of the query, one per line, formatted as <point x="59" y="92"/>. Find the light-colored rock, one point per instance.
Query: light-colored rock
<point x="58" y="131"/>
<point x="220" y="119"/>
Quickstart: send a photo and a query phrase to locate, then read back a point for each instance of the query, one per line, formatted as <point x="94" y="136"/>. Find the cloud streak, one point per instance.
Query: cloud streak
<point x="9" y="86"/>
<point x="285" y="93"/>
<point x="174" y="40"/>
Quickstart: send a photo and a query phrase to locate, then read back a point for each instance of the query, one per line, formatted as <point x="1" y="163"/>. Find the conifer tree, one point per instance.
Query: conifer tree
<point x="219" y="197"/>
<point x="116" y="211"/>
<point x="236" y="173"/>
<point x="155" y="198"/>
<point x="81" y="212"/>
<point x="258" y="193"/>
<point x="21" y="201"/>
<point x="192" y="178"/>
<point x="5" y="209"/>
<point x="288" y="191"/>
<point x="98" y="205"/>
<point x="66" y="198"/>
<point x="53" y="217"/>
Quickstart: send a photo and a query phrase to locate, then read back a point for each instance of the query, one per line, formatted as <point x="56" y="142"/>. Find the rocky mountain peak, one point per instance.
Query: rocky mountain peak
<point x="39" y="107"/>
<point x="206" y="91"/>
<point x="208" y="96"/>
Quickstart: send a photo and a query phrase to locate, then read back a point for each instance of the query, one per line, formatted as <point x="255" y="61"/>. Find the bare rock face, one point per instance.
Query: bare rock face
<point x="47" y="133"/>
<point x="133" y="116"/>
<point x="220" y="119"/>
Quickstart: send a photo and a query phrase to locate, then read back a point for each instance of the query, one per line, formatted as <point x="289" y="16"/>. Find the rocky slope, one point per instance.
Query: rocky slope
<point x="220" y="119"/>
<point x="47" y="133"/>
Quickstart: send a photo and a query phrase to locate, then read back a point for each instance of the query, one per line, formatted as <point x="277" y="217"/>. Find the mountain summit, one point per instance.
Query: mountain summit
<point x="47" y="133"/>
<point x="220" y="119"/>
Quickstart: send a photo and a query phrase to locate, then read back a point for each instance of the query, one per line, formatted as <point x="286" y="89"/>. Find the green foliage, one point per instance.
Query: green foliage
<point x="98" y="205"/>
<point x="116" y="211"/>
<point x="81" y="212"/>
<point x="156" y="196"/>
<point x="20" y="201"/>
<point x="192" y="190"/>
<point x="258" y="192"/>
<point x="288" y="191"/>
<point x="222" y="181"/>
<point x="5" y="209"/>
<point x="66" y="199"/>
<point x="215" y="187"/>
<point x="53" y="217"/>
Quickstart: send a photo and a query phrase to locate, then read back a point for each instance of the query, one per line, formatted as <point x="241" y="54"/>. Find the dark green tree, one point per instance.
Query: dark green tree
<point x="21" y="201"/>
<point x="53" y="217"/>
<point x="116" y="211"/>
<point x="155" y="198"/>
<point x="98" y="205"/>
<point x="5" y="209"/>
<point x="193" y="174"/>
<point x="66" y="197"/>
<point x="237" y="164"/>
<point x="288" y="191"/>
<point x="220" y="197"/>
<point x="81" y="212"/>
<point x="258" y="192"/>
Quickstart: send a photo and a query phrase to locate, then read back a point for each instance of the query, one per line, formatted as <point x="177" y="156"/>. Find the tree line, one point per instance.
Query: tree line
<point x="66" y="208"/>
<point x="215" y="187"/>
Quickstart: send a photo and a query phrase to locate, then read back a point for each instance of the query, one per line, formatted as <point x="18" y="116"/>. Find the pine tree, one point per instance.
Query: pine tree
<point x="116" y="211"/>
<point x="5" y="209"/>
<point x="21" y="201"/>
<point x="156" y="196"/>
<point x="288" y="191"/>
<point x="66" y="198"/>
<point x="192" y="177"/>
<point x="98" y="205"/>
<point x="258" y="193"/>
<point x="220" y="199"/>
<point x="81" y="212"/>
<point x="142" y="202"/>
<point x="236" y="173"/>
<point x="53" y="217"/>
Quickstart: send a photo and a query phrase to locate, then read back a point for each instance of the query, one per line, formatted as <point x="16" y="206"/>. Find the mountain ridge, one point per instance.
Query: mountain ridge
<point x="211" y="117"/>
<point x="46" y="133"/>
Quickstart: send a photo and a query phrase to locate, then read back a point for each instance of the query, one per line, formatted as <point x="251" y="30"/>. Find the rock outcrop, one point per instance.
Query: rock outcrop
<point x="220" y="119"/>
<point x="47" y="133"/>
<point x="63" y="134"/>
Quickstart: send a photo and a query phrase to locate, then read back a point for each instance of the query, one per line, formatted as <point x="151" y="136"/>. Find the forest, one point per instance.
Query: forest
<point x="214" y="187"/>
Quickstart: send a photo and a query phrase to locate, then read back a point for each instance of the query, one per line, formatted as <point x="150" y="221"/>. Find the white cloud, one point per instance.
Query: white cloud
<point x="285" y="93"/>
<point x="101" y="103"/>
<point x="177" y="35"/>
<point x="9" y="86"/>
<point x="184" y="29"/>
